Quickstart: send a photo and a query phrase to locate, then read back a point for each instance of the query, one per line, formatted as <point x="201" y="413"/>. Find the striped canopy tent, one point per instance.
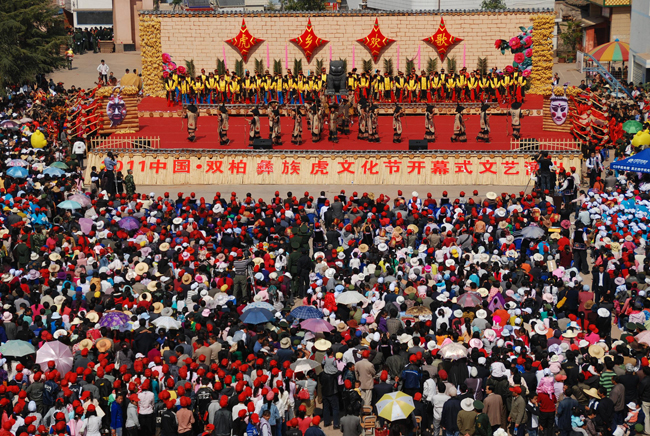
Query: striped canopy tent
<point x="615" y="51"/>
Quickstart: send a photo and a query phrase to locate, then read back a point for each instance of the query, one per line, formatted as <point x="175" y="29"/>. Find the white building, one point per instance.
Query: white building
<point x="640" y="42"/>
<point x="90" y="13"/>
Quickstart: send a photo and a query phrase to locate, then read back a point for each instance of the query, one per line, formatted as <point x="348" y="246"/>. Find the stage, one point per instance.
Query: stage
<point x="158" y="120"/>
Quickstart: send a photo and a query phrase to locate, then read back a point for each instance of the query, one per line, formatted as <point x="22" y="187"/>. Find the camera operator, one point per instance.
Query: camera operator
<point x="544" y="171"/>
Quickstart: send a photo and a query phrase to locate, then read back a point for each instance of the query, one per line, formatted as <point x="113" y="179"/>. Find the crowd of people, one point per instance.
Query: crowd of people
<point x="182" y="315"/>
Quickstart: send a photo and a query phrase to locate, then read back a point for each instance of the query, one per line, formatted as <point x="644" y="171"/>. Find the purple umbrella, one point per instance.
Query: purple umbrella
<point x="129" y="223"/>
<point x="86" y="225"/>
<point x="316" y="325"/>
<point x="82" y="199"/>
<point x="113" y="320"/>
<point x="55" y="351"/>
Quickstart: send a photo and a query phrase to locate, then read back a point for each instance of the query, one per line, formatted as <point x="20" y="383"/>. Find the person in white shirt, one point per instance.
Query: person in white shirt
<point x="103" y="70"/>
<point x="79" y="150"/>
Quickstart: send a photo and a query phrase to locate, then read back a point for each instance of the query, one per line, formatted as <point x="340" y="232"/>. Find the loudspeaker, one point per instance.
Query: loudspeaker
<point x="417" y="144"/>
<point x="262" y="144"/>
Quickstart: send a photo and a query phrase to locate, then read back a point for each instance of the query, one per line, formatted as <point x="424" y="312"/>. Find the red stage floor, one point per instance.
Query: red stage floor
<point x="173" y="132"/>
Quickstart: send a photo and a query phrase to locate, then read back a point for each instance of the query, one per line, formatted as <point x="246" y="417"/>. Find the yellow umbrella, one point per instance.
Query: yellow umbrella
<point x="394" y="406"/>
<point x="641" y="138"/>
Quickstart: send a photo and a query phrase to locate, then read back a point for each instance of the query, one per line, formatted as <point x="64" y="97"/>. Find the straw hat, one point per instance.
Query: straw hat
<point x="141" y="268"/>
<point x="593" y="392"/>
<point x="93" y="317"/>
<point x="491" y="195"/>
<point x="596" y="351"/>
<point x="158" y="307"/>
<point x="86" y="343"/>
<point x="186" y="279"/>
<point x="164" y="247"/>
<point x="103" y="345"/>
<point x="322" y="345"/>
<point x="467" y="404"/>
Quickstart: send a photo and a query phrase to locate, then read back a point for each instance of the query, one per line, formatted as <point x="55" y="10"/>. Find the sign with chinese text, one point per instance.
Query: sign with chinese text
<point x="376" y="42"/>
<point x="211" y="167"/>
<point x="244" y="41"/>
<point x="442" y="40"/>
<point x="308" y="41"/>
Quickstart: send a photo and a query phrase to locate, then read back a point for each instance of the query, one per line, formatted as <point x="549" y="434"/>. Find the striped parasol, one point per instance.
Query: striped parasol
<point x="615" y="51"/>
<point x="394" y="406"/>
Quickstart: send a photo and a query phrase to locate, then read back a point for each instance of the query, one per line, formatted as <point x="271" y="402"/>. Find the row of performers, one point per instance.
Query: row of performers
<point x="339" y="121"/>
<point x="424" y="88"/>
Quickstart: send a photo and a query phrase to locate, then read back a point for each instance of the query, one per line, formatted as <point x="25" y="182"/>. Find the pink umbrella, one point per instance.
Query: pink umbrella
<point x="82" y="199"/>
<point x="86" y="225"/>
<point x="317" y="325"/>
<point x="57" y="352"/>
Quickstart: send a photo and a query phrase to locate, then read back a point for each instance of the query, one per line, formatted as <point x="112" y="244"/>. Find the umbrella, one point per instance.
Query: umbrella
<point x="632" y="126"/>
<point x="304" y="365"/>
<point x="256" y="316"/>
<point x="317" y="325"/>
<point x="17" y="163"/>
<point x="57" y="352"/>
<point x="8" y="124"/>
<point x="614" y="51"/>
<point x="86" y="225"/>
<point x="260" y="305"/>
<point x="643" y="337"/>
<point x="470" y="299"/>
<point x="453" y="351"/>
<point x="166" y="322"/>
<point x="394" y="406"/>
<point x="129" y="223"/>
<point x="350" y="297"/>
<point x="82" y="199"/>
<point x="17" y="348"/>
<point x="17" y="172"/>
<point x="69" y="204"/>
<point x="53" y="171"/>
<point x="60" y="165"/>
<point x="25" y="120"/>
<point x="639" y="162"/>
<point x="306" y="312"/>
<point x="113" y="320"/>
<point x="418" y="311"/>
<point x="532" y="232"/>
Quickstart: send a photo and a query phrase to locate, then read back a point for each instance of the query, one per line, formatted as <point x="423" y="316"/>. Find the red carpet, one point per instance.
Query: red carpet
<point x="173" y="134"/>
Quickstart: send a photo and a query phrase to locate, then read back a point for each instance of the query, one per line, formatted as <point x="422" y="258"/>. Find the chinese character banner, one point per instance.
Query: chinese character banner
<point x="405" y="168"/>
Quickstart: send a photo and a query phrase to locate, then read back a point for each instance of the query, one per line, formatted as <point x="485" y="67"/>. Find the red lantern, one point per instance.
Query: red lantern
<point x="442" y="40"/>
<point x="308" y="41"/>
<point x="244" y="41"/>
<point x="376" y="42"/>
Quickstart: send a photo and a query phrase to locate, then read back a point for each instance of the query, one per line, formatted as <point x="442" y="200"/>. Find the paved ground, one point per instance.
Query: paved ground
<point x="568" y="73"/>
<point x="84" y="68"/>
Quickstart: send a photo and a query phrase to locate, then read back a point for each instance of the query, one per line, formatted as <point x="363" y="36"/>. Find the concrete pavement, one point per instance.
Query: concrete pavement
<point x="84" y="68"/>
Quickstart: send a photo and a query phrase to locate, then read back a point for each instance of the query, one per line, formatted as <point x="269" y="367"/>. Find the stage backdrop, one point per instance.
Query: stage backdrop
<point x="212" y="168"/>
<point x="202" y="36"/>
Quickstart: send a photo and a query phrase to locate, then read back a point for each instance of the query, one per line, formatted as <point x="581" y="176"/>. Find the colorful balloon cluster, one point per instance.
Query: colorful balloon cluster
<point x="522" y="47"/>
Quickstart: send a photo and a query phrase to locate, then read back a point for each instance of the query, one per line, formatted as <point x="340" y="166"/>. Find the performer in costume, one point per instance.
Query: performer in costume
<point x="192" y="115"/>
<point x="277" y="128"/>
<point x="362" y="107"/>
<point x="315" y="122"/>
<point x="170" y="88"/>
<point x="429" y="127"/>
<point x="273" y="104"/>
<point x="254" y="128"/>
<point x="516" y="115"/>
<point x="344" y="116"/>
<point x="223" y="125"/>
<point x="412" y="87"/>
<point x="484" y="134"/>
<point x="423" y="87"/>
<point x="459" y="126"/>
<point x="386" y="85"/>
<point x="398" y="113"/>
<point x="373" y="119"/>
<point x="400" y="86"/>
<point x="296" y="134"/>
<point x="333" y="122"/>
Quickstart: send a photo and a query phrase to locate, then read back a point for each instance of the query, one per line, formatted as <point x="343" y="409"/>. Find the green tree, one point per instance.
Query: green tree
<point x="493" y="4"/>
<point x="571" y="35"/>
<point x="304" y="5"/>
<point x="31" y="36"/>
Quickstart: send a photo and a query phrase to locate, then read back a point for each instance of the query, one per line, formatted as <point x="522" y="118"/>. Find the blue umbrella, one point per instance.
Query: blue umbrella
<point x="17" y="348"/>
<point x="129" y="223"/>
<point x="69" y="204"/>
<point x="256" y="316"/>
<point x="260" y="305"/>
<point x="53" y="171"/>
<point x="306" y="312"/>
<point x="17" y="172"/>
